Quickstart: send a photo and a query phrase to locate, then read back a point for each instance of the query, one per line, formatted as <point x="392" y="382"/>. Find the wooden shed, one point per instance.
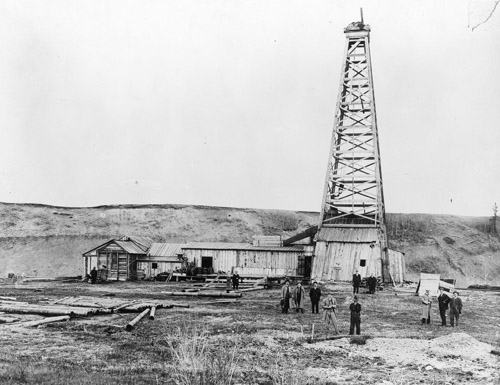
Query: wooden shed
<point x="246" y="258"/>
<point x="161" y="258"/>
<point x="340" y="251"/>
<point x="120" y="257"/>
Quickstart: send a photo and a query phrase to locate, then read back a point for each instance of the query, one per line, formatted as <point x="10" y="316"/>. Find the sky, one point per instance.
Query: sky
<point x="232" y="102"/>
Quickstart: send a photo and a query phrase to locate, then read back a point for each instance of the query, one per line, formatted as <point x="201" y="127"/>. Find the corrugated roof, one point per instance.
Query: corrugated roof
<point x="130" y="247"/>
<point x="348" y="234"/>
<point x="143" y="242"/>
<point x="238" y="246"/>
<point x="165" y="249"/>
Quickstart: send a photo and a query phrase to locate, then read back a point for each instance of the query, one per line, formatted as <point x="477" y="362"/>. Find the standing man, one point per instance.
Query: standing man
<point x="93" y="275"/>
<point x="372" y="284"/>
<point x="455" y="308"/>
<point x="315" y="295"/>
<point x="329" y="306"/>
<point x="298" y="296"/>
<point x="285" y="297"/>
<point x="356" y="281"/>
<point x="443" y="300"/>
<point x="235" y="280"/>
<point x="355" y="309"/>
<point x="426" y="308"/>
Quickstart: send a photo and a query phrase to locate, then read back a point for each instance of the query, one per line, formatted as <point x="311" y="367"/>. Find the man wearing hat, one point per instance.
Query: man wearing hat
<point x="426" y="308"/>
<point x="455" y="309"/>
<point x="355" y="309"/>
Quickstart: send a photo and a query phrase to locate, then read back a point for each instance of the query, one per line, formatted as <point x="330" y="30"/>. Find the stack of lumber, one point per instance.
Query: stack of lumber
<point x="54" y="310"/>
<point x="202" y="294"/>
<point x="115" y="305"/>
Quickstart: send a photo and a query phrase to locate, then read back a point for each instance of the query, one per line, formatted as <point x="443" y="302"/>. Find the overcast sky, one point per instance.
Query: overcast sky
<point x="232" y="103"/>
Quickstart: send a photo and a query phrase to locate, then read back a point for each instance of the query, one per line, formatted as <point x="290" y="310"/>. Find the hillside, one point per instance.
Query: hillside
<point x="39" y="240"/>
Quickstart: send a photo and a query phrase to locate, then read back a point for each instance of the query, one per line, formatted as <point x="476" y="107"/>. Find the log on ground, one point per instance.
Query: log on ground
<point x="134" y="322"/>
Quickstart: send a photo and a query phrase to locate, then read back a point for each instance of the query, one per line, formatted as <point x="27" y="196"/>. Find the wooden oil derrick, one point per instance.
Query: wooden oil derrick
<point x="352" y="231"/>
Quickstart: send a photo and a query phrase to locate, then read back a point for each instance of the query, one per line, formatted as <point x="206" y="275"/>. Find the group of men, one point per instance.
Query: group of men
<point x="371" y="282"/>
<point x="445" y="301"/>
<point x="294" y="298"/>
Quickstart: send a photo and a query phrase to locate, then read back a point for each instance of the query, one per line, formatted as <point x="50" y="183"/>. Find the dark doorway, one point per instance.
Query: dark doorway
<point x="304" y="266"/>
<point x="207" y="262"/>
<point x="307" y="266"/>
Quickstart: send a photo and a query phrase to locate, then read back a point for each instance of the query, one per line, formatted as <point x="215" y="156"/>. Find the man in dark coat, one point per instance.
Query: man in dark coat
<point x="356" y="281"/>
<point x="93" y="275"/>
<point x="235" y="280"/>
<point x="355" y="309"/>
<point x="443" y="300"/>
<point x="315" y="295"/>
<point x="286" y="297"/>
<point x="372" y="284"/>
<point x="455" y="308"/>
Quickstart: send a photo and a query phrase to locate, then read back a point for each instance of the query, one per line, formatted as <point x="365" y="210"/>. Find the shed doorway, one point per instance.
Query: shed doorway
<point x="207" y="262"/>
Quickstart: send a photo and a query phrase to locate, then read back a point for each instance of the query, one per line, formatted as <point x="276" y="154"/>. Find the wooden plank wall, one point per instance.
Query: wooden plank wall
<point x="255" y="261"/>
<point x="347" y="257"/>
<point x="145" y="268"/>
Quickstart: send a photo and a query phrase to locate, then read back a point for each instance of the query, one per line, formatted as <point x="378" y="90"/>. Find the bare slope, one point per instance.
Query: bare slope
<point x="49" y="241"/>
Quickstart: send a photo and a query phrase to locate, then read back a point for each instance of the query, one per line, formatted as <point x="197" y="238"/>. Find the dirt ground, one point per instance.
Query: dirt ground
<point x="268" y="347"/>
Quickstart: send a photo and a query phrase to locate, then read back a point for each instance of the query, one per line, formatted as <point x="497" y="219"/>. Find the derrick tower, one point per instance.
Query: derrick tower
<point x="352" y="232"/>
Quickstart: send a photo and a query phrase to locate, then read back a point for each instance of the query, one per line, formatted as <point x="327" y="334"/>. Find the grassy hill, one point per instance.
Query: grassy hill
<point x="40" y="240"/>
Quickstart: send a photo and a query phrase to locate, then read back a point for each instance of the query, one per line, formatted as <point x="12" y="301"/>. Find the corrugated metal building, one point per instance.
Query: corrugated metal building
<point x="340" y="251"/>
<point x="119" y="256"/>
<point x="161" y="257"/>
<point x="247" y="259"/>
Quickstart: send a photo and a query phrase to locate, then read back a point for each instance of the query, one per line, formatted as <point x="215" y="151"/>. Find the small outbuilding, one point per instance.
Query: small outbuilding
<point x="119" y="256"/>
<point x="161" y="258"/>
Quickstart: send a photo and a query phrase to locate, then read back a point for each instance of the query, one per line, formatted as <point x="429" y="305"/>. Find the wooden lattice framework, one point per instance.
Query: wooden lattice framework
<point x="353" y="194"/>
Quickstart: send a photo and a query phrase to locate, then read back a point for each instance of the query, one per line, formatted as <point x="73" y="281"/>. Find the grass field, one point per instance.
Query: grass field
<point x="249" y="341"/>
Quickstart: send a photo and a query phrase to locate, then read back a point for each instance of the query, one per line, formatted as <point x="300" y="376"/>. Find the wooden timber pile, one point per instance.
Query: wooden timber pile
<point x="71" y="307"/>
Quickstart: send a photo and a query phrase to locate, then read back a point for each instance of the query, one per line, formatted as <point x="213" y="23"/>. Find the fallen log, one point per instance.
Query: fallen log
<point x="145" y="305"/>
<point x="252" y="289"/>
<point x="123" y="306"/>
<point x="6" y="320"/>
<point x="8" y="298"/>
<point x="59" y="300"/>
<point x="152" y="313"/>
<point x="45" y="321"/>
<point x="222" y="301"/>
<point x="13" y="303"/>
<point x="185" y="305"/>
<point x="132" y="323"/>
<point x="50" y="310"/>
<point x="202" y="294"/>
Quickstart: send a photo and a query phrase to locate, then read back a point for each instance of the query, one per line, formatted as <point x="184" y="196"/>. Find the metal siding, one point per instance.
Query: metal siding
<point x="165" y="249"/>
<point x="130" y="247"/>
